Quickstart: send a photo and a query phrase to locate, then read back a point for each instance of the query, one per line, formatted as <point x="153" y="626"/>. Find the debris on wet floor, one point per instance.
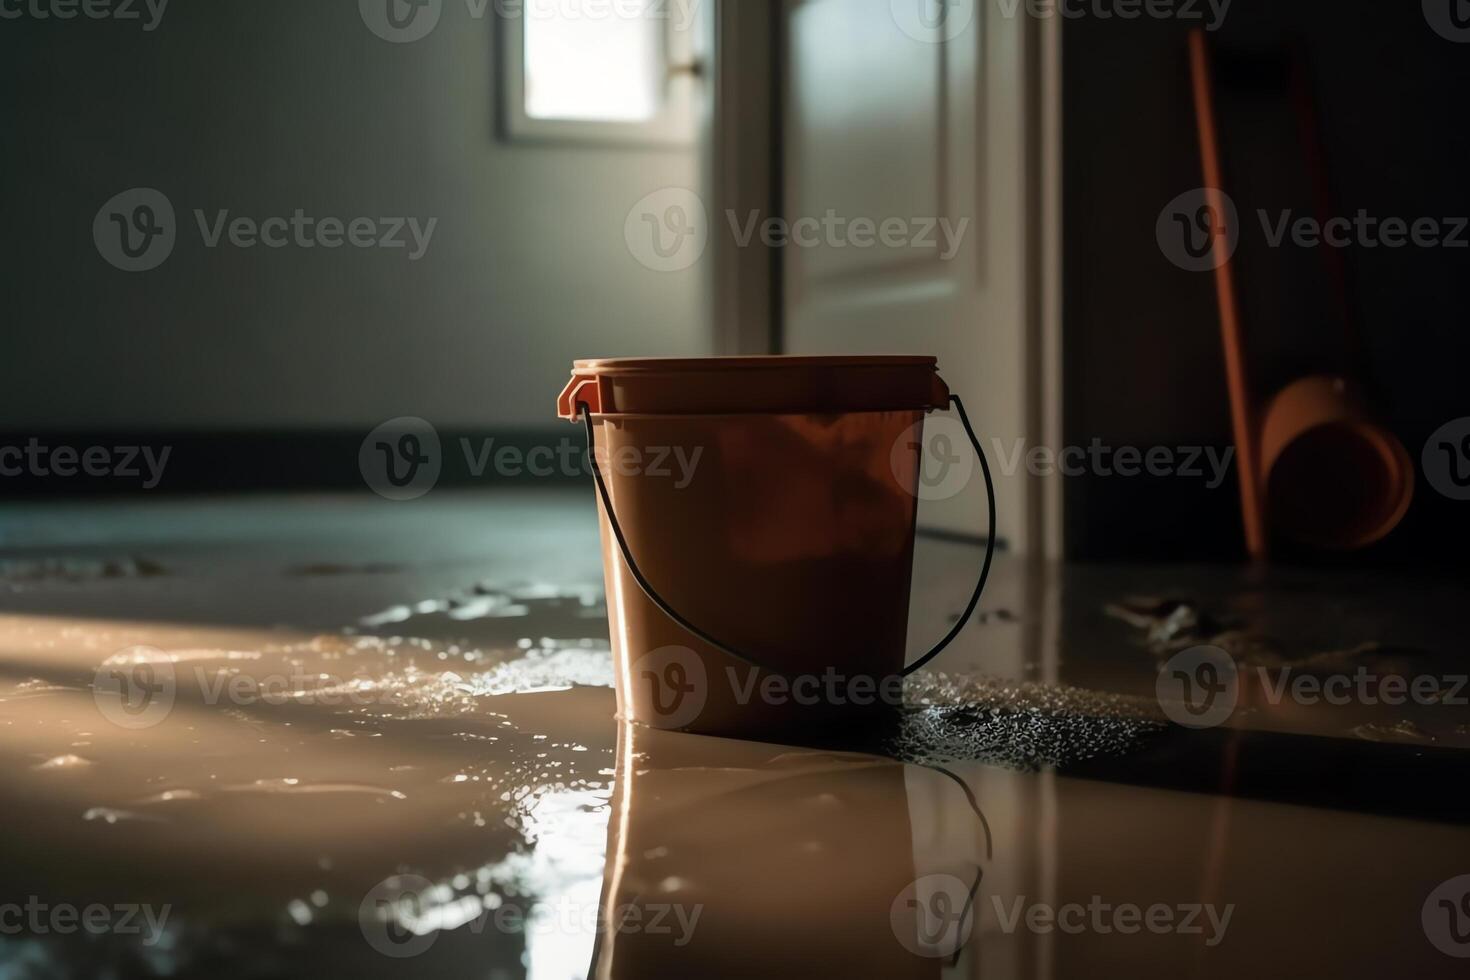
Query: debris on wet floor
<point x="1017" y="725"/>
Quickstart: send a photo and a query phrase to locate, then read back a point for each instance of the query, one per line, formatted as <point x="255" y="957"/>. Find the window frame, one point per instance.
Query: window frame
<point x="674" y="125"/>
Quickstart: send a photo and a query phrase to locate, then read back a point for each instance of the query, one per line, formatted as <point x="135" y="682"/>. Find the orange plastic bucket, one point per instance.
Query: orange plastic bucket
<point x="769" y="500"/>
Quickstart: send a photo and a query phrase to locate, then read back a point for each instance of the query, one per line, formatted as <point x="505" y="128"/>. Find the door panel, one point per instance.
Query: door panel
<point x="849" y="122"/>
<point x="883" y="121"/>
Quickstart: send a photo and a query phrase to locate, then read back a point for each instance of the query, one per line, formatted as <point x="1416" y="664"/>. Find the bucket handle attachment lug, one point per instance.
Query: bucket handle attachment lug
<point x="586" y="410"/>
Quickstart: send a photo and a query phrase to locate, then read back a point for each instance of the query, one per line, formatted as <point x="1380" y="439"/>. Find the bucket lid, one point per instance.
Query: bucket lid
<point x="772" y="384"/>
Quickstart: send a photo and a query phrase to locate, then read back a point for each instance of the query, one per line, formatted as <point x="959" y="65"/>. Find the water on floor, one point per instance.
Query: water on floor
<point x="315" y="736"/>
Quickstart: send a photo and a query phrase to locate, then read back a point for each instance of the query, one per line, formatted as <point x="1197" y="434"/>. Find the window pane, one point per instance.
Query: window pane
<point x="592" y="60"/>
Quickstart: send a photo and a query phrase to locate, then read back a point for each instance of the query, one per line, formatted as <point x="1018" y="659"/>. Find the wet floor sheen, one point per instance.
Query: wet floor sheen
<point x="332" y="737"/>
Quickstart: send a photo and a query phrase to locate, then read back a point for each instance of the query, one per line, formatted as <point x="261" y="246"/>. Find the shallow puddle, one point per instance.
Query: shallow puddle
<point x="438" y="787"/>
<point x="415" y="787"/>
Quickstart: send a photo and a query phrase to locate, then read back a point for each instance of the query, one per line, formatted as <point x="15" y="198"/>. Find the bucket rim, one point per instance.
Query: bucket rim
<point x="622" y="365"/>
<point x="762" y="384"/>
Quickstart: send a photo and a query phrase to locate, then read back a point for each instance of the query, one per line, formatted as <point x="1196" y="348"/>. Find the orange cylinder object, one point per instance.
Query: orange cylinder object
<point x="770" y="501"/>
<point x="1334" y="478"/>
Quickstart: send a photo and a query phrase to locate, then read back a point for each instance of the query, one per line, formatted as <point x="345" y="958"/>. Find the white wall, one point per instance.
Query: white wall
<point x="266" y="106"/>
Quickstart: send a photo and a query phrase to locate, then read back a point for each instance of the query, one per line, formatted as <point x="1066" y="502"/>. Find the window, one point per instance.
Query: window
<point x="605" y="70"/>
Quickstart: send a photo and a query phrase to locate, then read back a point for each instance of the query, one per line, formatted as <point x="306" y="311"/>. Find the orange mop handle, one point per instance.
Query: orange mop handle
<point x="1247" y="455"/>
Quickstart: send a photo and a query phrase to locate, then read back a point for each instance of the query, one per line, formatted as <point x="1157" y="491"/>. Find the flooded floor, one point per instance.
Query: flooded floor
<point x="316" y="736"/>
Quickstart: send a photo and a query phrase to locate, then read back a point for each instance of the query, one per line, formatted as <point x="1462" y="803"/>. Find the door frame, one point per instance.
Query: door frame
<point x="741" y="165"/>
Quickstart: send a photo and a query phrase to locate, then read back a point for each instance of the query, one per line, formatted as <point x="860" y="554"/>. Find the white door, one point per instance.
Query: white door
<point x="912" y="115"/>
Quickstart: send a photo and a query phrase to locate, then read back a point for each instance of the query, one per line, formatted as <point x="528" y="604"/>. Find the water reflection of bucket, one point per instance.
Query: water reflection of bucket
<point x="1333" y="477"/>
<point x="754" y="865"/>
<point x="770" y="500"/>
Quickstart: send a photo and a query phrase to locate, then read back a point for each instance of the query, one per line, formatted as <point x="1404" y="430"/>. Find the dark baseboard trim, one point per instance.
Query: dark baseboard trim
<point x="127" y="463"/>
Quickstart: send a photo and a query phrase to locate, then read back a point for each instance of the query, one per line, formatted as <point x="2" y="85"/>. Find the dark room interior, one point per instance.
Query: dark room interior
<point x="569" y="489"/>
